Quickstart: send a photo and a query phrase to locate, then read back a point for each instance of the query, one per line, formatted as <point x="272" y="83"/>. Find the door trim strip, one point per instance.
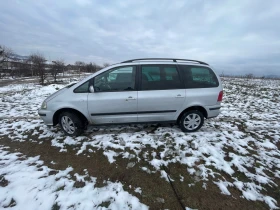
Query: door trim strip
<point x="125" y="113"/>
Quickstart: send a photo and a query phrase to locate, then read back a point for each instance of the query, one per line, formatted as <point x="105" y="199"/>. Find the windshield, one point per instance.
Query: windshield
<point x="68" y="86"/>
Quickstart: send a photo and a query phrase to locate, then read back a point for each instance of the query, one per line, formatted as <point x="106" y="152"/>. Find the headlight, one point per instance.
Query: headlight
<point x="44" y="105"/>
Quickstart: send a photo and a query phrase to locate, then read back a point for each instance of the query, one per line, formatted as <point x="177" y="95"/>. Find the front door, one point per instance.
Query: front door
<point x="115" y="96"/>
<point x="161" y="95"/>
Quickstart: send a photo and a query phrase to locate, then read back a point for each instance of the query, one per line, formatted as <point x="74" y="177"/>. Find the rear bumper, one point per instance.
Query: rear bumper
<point x="46" y="116"/>
<point x="213" y="111"/>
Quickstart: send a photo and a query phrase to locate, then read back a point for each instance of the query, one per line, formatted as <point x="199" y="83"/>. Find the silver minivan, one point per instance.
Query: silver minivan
<point x="148" y="90"/>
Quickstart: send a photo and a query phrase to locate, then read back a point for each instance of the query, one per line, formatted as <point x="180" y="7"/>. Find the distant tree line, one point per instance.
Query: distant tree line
<point x="36" y="65"/>
<point x="250" y="76"/>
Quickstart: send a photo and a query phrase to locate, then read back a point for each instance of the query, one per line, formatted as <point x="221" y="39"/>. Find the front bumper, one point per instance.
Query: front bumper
<point x="46" y="116"/>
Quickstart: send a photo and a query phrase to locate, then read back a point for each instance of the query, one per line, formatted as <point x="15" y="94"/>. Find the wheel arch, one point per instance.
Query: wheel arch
<point x="199" y="108"/>
<point x="58" y="112"/>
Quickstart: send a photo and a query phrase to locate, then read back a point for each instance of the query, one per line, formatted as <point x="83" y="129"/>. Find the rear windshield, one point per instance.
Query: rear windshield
<point x="199" y="77"/>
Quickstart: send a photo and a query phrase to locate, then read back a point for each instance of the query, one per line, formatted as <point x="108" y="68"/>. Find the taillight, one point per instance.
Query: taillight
<point x="220" y="97"/>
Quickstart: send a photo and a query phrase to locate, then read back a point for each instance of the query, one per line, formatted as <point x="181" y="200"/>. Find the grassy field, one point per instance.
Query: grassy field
<point x="232" y="162"/>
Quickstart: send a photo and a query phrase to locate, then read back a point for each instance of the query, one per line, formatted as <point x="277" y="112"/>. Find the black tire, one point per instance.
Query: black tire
<point x="194" y="117"/>
<point x="75" y="127"/>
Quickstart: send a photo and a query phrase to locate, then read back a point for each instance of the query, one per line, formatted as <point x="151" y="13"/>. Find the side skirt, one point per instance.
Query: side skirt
<point x="150" y="122"/>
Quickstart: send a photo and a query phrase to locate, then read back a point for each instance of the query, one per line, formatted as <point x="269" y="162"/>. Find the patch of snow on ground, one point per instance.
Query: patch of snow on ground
<point x="239" y="149"/>
<point x="29" y="180"/>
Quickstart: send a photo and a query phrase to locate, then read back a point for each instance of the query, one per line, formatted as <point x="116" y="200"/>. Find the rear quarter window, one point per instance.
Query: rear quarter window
<point x="199" y="77"/>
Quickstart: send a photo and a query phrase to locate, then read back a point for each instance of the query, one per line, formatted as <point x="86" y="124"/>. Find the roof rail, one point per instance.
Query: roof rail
<point x="173" y="59"/>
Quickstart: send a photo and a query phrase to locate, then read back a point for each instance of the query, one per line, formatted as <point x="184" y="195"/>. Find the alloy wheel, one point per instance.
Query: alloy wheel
<point x="192" y="121"/>
<point x="68" y="124"/>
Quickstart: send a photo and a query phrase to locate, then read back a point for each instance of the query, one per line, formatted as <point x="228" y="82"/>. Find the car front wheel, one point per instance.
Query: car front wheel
<point x="191" y="121"/>
<point x="71" y="124"/>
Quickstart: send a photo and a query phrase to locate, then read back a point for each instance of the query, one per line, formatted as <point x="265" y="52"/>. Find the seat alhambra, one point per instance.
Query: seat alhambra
<point x="148" y="90"/>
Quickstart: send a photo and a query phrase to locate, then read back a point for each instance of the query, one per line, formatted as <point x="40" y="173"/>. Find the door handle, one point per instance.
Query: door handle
<point x="179" y="96"/>
<point x="130" y="98"/>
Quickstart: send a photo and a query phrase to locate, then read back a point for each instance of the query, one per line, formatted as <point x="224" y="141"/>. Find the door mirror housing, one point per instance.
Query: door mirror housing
<point x="91" y="89"/>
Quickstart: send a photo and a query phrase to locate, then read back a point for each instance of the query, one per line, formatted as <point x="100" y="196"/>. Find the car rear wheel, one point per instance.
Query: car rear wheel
<point x="191" y="121"/>
<point x="71" y="124"/>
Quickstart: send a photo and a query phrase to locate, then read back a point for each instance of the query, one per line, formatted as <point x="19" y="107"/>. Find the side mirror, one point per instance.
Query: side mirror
<point x="91" y="89"/>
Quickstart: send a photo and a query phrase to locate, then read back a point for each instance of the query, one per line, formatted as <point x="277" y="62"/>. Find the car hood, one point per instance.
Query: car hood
<point x="56" y="94"/>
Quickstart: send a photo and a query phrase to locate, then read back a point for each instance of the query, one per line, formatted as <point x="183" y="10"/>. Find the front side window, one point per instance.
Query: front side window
<point x="84" y="88"/>
<point x="160" y="77"/>
<point x="117" y="79"/>
<point x="199" y="77"/>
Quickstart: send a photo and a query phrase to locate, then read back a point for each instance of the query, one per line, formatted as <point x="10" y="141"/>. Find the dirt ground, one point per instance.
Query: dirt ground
<point x="156" y="192"/>
<point x="245" y="130"/>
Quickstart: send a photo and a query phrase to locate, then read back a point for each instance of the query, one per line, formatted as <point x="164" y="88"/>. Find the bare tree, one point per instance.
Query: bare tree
<point x="29" y="66"/>
<point x="15" y="67"/>
<point x="25" y="68"/>
<point x="91" y="67"/>
<point x="2" y="53"/>
<point x="5" y="55"/>
<point x="39" y="65"/>
<point x="249" y="76"/>
<point x="57" y="67"/>
<point x="106" y="64"/>
<point x="80" y="65"/>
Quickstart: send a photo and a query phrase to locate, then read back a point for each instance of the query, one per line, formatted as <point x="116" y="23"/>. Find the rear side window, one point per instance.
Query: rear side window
<point x="160" y="77"/>
<point x="150" y="73"/>
<point x="199" y="77"/>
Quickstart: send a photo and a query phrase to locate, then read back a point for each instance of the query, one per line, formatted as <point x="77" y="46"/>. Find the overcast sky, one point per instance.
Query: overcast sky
<point x="234" y="36"/>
